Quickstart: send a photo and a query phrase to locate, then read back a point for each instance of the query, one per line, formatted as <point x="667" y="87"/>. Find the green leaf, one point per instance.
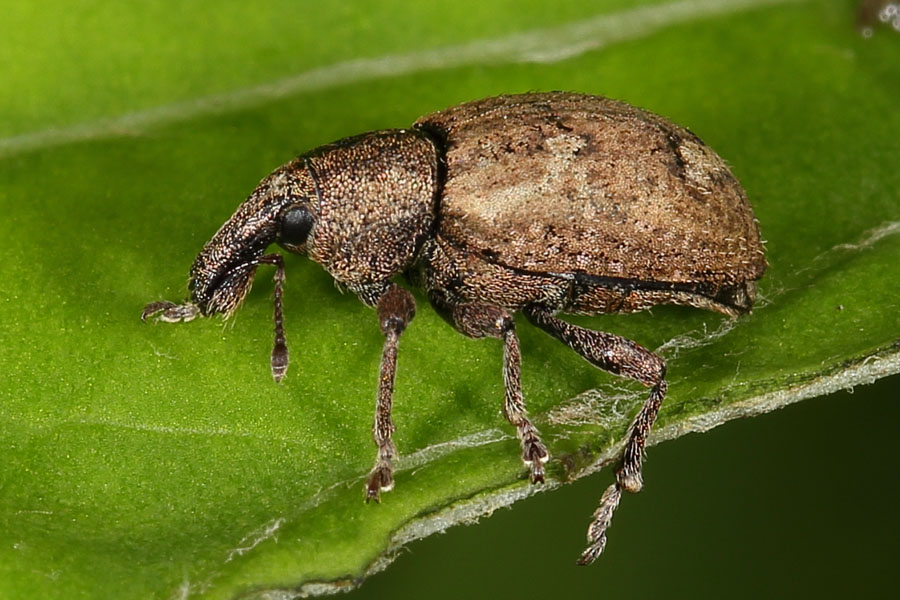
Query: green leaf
<point x="162" y="461"/>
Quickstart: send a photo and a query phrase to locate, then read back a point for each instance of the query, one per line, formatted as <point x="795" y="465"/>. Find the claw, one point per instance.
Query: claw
<point x="381" y="479"/>
<point x="535" y="455"/>
<point x="537" y="473"/>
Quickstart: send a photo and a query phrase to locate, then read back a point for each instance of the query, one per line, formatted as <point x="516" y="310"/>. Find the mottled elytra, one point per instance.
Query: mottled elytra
<point x="541" y="203"/>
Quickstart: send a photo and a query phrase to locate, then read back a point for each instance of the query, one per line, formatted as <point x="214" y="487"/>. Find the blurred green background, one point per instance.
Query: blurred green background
<point x="140" y="461"/>
<point x="799" y="503"/>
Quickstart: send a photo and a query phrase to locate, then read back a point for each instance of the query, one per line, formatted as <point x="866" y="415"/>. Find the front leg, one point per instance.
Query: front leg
<point x="233" y="286"/>
<point x="396" y="308"/>
<point x="169" y="312"/>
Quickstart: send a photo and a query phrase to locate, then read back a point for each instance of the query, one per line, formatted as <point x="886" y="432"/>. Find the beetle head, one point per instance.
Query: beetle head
<point x="280" y="209"/>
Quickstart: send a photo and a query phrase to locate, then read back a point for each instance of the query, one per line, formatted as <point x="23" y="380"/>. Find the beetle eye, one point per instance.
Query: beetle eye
<point x="295" y="226"/>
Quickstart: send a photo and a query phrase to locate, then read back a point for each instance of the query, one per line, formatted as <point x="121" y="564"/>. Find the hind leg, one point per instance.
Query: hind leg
<point x="478" y="320"/>
<point x="622" y="357"/>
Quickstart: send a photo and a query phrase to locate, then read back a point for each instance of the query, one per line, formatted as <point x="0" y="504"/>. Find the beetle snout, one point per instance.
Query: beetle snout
<point x="223" y="272"/>
<point x="220" y="290"/>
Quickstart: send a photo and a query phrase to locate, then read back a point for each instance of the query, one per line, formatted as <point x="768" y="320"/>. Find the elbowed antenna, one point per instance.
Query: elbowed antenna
<point x="278" y="210"/>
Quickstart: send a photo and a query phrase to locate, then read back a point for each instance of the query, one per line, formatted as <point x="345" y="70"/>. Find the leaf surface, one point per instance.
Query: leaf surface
<point x="162" y="461"/>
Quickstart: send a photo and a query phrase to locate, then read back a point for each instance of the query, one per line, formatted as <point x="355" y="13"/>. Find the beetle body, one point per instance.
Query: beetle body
<point x="540" y="203"/>
<point x="587" y="205"/>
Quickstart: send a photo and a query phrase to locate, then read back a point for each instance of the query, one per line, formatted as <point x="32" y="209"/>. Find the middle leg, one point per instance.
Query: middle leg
<point x="478" y="320"/>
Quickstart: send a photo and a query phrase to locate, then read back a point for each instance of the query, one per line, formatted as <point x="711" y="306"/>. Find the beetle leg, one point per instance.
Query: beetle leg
<point x="534" y="453"/>
<point x="396" y="308"/>
<point x="169" y="312"/>
<point x="622" y="357"/>
<point x="280" y="356"/>
<point x="480" y="320"/>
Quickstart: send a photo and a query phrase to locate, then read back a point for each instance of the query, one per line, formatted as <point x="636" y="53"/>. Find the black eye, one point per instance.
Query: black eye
<point x="295" y="226"/>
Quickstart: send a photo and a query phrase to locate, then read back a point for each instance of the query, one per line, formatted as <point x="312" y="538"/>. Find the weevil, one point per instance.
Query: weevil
<point x="540" y="203"/>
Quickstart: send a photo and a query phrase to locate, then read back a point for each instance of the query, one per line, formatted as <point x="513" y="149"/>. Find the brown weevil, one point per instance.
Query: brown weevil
<point x="542" y="203"/>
